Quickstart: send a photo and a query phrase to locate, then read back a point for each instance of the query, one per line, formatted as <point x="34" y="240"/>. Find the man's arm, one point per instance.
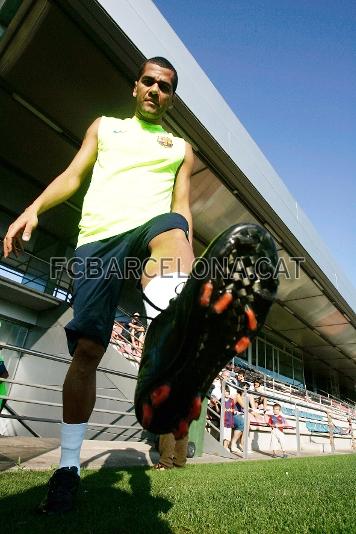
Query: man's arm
<point x="62" y="187"/>
<point x="180" y="199"/>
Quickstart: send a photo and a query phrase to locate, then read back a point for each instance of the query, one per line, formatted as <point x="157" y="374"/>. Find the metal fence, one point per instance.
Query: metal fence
<point x="22" y="418"/>
<point x="296" y="404"/>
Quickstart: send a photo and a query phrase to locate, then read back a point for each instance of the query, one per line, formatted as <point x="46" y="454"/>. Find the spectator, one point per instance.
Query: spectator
<point x="215" y="390"/>
<point x="239" y="421"/>
<point x="241" y="380"/>
<point x="261" y="404"/>
<point x="172" y="452"/>
<point x="228" y="418"/>
<point x="226" y="375"/>
<point x="137" y="333"/>
<point x="213" y="415"/>
<point x="277" y="422"/>
<point x="135" y="327"/>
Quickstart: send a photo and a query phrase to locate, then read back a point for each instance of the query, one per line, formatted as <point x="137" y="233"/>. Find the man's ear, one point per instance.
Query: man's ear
<point x="134" y="92"/>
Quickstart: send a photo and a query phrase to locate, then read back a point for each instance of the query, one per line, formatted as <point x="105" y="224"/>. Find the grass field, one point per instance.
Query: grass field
<point x="306" y="495"/>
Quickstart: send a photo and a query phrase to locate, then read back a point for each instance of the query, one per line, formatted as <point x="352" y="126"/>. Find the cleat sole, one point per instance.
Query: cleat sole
<point x="160" y="395"/>
<point x="242" y="345"/>
<point x="206" y="293"/>
<point x="251" y="318"/>
<point x="182" y="430"/>
<point x="195" y="409"/>
<point x="223" y="302"/>
<point x="213" y="319"/>
<point x="147" y="414"/>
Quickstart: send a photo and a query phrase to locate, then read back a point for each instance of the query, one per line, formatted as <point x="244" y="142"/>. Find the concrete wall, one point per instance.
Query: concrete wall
<point x="48" y="336"/>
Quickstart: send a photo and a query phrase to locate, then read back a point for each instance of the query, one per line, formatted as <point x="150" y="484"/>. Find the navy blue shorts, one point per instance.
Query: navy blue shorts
<point x="101" y="269"/>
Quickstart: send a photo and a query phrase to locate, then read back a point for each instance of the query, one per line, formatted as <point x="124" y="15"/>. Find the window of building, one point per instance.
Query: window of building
<point x="277" y="360"/>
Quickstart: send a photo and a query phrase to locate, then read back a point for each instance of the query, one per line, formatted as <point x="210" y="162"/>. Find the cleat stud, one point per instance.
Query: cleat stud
<point x="242" y="344"/>
<point x="206" y="293"/>
<point x="223" y="302"/>
<point x="147" y="414"/>
<point x="195" y="409"/>
<point x="251" y="318"/>
<point x="182" y="429"/>
<point x="160" y="394"/>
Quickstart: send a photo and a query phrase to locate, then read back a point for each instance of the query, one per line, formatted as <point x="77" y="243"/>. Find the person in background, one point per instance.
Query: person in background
<point x="277" y="422"/>
<point x="239" y="420"/>
<point x="136" y="329"/>
<point x="261" y="404"/>
<point x="172" y="452"/>
<point x="228" y="418"/>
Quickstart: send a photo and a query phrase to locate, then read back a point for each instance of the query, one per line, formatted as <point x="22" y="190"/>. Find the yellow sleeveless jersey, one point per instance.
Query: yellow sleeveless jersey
<point x="133" y="177"/>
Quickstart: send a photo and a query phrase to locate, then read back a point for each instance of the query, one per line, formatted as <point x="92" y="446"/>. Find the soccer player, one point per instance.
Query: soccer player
<point x="137" y="206"/>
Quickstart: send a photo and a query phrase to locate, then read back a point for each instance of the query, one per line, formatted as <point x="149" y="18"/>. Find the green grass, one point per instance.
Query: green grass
<point x="306" y="495"/>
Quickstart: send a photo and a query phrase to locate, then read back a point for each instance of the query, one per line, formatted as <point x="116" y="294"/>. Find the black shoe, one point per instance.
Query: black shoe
<point x="62" y="489"/>
<point x="220" y="310"/>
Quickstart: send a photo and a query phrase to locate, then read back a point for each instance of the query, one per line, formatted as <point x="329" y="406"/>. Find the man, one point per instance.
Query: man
<point x="149" y="169"/>
<point x="172" y="452"/>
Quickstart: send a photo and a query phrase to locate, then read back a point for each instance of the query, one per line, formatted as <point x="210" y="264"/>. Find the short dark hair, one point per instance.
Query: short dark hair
<point x="276" y="404"/>
<point x="240" y="372"/>
<point x="161" y="62"/>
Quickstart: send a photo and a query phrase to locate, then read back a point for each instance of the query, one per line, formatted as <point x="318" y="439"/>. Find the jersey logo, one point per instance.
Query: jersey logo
<point x="164" y="141"/>
<point x="118" y="131"/>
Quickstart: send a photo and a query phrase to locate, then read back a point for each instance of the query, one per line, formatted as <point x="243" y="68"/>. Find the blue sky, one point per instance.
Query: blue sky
<point x="287" y="68"/>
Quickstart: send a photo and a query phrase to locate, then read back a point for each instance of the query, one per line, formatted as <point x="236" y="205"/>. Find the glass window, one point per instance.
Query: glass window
<point x="269" y="357"/>
<point x="285" y="364"/>
<point x="261" y="347"/>
<point x="275" y="360"/>
<point x="12" y="333"/>
<point x="298" y="371"/>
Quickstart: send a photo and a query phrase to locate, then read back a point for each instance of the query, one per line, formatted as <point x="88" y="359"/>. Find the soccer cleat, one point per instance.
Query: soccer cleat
<point x="221" y="308"/>
<point x="62" y="490"/>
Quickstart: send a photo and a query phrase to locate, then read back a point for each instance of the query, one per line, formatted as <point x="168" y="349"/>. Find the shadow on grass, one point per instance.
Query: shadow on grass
<point x="111" y="500"/>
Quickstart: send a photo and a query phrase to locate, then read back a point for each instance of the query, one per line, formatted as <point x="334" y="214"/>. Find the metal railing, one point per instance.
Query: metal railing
<point x="60" y="358"/>
<point x="246" y="394"/>
<point x="26" y="271"/>
<point x="321" y="398"/>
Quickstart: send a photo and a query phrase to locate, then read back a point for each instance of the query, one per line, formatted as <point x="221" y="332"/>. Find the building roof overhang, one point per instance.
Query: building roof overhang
<point x="65" y="63"/>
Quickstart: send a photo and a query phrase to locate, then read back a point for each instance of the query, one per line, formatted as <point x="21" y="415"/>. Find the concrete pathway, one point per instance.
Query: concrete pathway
<point x="43" y="453"/>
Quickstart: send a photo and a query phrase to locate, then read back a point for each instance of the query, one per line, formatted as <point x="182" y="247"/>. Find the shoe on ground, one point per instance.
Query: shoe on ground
<point x="285" y="455"/>
<point x="221" y="308"/>
<point x="274" y="455"/>
<point x="160" y="467"/>
<point x="234" y="449"/>
<point x="62" y="490"/>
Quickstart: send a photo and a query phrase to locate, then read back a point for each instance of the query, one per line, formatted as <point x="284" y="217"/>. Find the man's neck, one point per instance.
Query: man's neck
<point x="156" y="122"/>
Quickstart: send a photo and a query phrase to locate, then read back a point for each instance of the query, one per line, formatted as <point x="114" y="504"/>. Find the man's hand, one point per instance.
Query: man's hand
<point x="20" y="230"/>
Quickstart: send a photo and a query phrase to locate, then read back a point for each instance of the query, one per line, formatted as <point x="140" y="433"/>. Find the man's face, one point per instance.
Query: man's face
<point x="276" y="410"/>
<point x="240" y="377"/>
<point x="153" y="93"/>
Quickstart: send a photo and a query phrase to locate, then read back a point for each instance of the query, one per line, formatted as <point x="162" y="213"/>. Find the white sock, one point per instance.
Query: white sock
<point x="71" y="442"/>
<point x="161" y="289"/>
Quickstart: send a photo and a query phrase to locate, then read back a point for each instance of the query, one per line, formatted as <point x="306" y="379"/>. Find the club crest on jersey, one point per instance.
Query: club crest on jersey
<point x="164" y="141"/>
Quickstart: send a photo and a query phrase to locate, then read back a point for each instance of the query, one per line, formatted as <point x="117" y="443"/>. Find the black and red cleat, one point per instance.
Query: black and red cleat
<point x="221" y="308"/>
